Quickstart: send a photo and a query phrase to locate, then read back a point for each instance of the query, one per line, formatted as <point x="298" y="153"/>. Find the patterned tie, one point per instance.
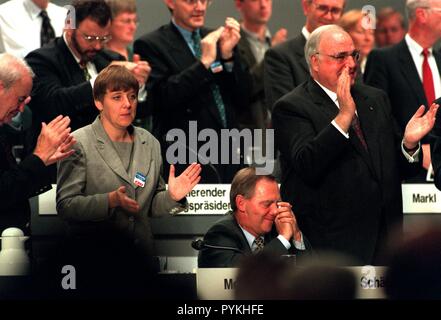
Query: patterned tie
<point x="47" y="33"/>
<point x="258" y="244"/>
<point x="429" y="88"/>
<point x="83" y="66"/>
<point x="195" y="36"/>
<point x="356" y="126"/>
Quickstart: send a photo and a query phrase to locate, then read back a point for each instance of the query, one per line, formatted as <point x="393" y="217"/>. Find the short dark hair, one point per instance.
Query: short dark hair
<point x="114" y="78"/>
<point x="96" y="10"/>
<point x="244" y="183"/>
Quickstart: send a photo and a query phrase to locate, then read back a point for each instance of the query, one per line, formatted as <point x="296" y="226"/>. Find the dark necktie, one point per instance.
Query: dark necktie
<point x="357" y="128"/>
<point x="195" y="36"/>
<point x="429" y="88"/>
<point x="258" y="244"/>
<point x="83" y="66"/>
<point x="47" y="32"/>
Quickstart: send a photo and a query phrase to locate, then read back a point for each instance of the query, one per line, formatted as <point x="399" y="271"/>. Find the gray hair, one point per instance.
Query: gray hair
<point x="311" y="46"/>
<point x="12" y="69"/>
<point x="412" y="5"/>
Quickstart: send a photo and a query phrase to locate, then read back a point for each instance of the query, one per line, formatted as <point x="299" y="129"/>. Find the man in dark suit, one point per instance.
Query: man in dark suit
<point x="255" y="40"/>
<point x="285" y="65"/>
<point x="18" y="182"/>
<point x="66" y="68"/>
<point x="342" y="157"/>
<point x="259" y="221"/>
<point x="194" y="79"/>
<point x="399" y="70"/>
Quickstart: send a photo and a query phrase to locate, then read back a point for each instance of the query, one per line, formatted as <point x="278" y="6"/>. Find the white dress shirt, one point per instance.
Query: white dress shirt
<point x="20" y="25"/>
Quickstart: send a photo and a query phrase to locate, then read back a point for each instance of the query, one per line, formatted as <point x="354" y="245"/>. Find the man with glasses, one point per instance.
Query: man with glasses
<point x="66" y="69"/>
<point x="342" y="157"/>
<point x="285" y="65"/>
<point x="197" y="76"/>
<point x="409" y="72"/>
<point x="19" y="182"/>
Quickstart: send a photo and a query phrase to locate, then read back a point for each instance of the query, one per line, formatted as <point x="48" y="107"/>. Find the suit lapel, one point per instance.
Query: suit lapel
<point x="300" y="53"/>
<point x="72" y="66"/>
<point x="409" y="71"/>
<point x="142" y="156"/>
<point x="105" y="148"/>
<point x="367" y="122"/>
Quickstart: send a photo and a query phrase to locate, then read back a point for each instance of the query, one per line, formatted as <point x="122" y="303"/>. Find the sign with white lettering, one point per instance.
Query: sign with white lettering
<point x="421" y="198"/>
<point x="208" y="199"/>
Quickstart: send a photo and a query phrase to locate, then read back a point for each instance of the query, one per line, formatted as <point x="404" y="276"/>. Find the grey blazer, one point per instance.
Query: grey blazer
<point x="85" y="179"/>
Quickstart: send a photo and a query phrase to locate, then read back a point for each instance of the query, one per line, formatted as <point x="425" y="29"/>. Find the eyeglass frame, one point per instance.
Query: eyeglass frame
<point x="92" y="39"/>
<point x="342" y="56"/>
<point x="324" y="9"/>
<point x="194" y="2"/>
<point x="128" y="21"/>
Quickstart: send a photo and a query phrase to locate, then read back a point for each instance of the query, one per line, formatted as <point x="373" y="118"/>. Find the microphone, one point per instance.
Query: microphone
<point x="200" y="244"/>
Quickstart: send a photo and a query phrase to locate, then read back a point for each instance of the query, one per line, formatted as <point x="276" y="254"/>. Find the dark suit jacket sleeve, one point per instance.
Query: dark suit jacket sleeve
<point x="26" y="180"/>
<point x="435" y="149"/>
<point x="50" y="94"/>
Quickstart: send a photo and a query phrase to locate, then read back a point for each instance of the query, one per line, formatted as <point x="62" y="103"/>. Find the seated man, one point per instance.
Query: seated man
<point x="259" y="221"/>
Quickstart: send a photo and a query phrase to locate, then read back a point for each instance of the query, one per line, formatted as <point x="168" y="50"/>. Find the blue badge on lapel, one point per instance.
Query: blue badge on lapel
<point x="216" y="67"/>
<point x="139" y="180"/>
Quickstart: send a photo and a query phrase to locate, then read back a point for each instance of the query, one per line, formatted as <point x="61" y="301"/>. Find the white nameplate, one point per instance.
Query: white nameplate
<point x="216" y="283"/>
<point x="208" y="199"/>
<point x="219" y="283"/>
<point x="421" y="198"/>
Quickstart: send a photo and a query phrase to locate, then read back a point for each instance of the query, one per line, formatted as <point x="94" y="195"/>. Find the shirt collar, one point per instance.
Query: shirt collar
<point x="185" y="33"/>
<point x="250" y="238"/>
<point x="32" y="9"/>
<point x="414" y="46"/>
<point x="306" y="33"/>
<point x="330" y="93"/>
<point x="75" y="57"/>
<point x="255" y="35"/>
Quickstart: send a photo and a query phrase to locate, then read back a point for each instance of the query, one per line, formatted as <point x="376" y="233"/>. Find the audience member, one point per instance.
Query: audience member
<point x="67" y="67"/>
<point x="19" y="182"/>
<point x="255" y="40"/>
<point x="354" y="23"/>
<point x="342" y="157"/>
<point x="390" y="27"/>
<point x="197" y="76"/>
<point x="26" y="25"/>
<point x="260" y="220"/>
<point x="285" y="65"/>
<point x="112" y="185"/>
<point x="409" y="72"/>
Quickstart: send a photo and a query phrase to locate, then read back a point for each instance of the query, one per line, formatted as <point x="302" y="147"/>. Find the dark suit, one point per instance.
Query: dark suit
<point x="226" y="232"/>
<point x="19" y="182"/>
<point x="179" y="87"/>
<point x="256" y="116"/>
<point x="344" y="198"/>
<point x="285" y="68"/>
<point x="392" y="69"/>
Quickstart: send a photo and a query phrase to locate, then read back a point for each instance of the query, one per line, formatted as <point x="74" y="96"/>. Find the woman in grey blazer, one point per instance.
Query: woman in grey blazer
<point x="112" y="184"/>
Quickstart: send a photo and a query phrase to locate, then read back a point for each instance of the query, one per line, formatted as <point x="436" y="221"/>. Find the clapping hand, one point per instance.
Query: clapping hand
<point x="179" y="187"/>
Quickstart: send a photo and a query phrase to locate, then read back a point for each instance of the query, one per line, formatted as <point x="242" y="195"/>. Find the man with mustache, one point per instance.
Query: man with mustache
<point x="18" y="182"/>
<point x="341" y="152"/>
<point x="65" y="69"/>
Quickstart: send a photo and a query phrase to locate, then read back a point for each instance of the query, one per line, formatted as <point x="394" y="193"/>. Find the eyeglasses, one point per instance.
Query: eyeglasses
<point x="341" y="57"/>
<point x="324" y="9"/>
<point x="92" y="39"/>
<point x="195" y="2"/>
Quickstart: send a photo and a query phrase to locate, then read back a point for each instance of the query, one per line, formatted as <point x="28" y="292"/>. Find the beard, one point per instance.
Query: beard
<point x="85" y="55"/>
